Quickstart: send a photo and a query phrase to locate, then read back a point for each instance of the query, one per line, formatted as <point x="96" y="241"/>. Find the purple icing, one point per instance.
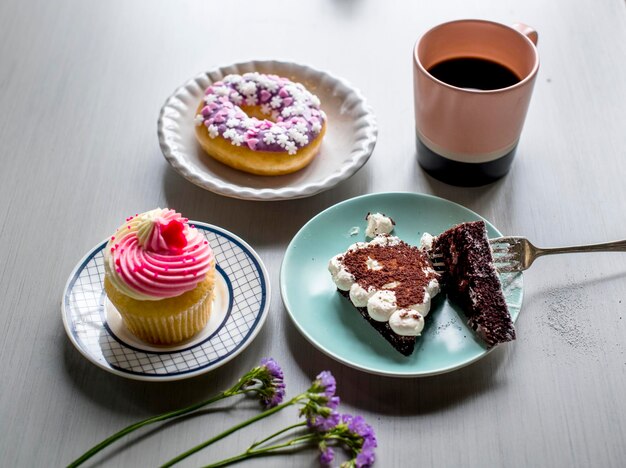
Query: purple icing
<point x="296" y="115"/>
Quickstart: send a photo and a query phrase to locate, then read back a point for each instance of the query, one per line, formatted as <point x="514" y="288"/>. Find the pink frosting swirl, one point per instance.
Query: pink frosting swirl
<point x="156" y="255"/>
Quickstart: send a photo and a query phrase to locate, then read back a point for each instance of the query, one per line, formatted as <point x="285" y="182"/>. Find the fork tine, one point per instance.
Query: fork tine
<point x="508" y="253"/>
<point x="502" y="247"/>
<point x="505" y="260"/>
<point x="503" y="240"/>
<point x="504" y="254"/>
<point x="508" y="268"/>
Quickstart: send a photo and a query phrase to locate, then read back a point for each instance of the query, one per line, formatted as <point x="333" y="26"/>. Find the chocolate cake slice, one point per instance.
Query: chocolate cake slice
<point x="470" y="279"/>
<point x="391" y="284"/>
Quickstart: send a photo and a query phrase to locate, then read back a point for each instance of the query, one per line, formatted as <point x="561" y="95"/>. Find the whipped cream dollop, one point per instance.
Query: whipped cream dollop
<point x="406" y="322"/>
<point x="378" y="223"/>
<point x="156" y="255"/>
<point x="377" y="286"/>
<point x="426" y="241"/>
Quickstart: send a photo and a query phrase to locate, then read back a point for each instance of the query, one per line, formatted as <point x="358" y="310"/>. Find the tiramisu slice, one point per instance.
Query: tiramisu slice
<point x="391" y="284"/>
<point x="470" y="278"/>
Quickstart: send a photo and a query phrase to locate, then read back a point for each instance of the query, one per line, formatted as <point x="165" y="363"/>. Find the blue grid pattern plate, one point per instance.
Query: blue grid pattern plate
<point x="240" y="307"/>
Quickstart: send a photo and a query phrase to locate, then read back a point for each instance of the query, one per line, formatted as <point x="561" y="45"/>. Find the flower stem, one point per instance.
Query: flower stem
<point x="276" y="434"/>
<point x="227" y="432"/>
<point x="265" y="451"/>
<point x="162" y="417"/>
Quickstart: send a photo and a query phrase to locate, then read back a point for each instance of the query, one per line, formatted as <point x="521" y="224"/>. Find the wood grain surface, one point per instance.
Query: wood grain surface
<point x="81" y="84"/>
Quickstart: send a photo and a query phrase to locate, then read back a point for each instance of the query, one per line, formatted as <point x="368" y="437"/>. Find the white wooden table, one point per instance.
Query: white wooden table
<point x="81" y="84"/>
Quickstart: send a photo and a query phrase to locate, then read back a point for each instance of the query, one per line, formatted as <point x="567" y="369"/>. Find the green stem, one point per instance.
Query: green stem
<point x="162" y="417"/>
<point x="227" y="432"/>
<point x="272" y="450"/>
<point x="276" y="434"/>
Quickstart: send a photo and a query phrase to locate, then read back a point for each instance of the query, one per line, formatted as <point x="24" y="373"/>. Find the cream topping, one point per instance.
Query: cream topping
<point x="381" y="303"/>
<point x="359" y="295"/>
<point x="378" y="223"/>
<point x="426" y="242"/>
<point x="156" y="255"/>
<point x="407" y="322"/>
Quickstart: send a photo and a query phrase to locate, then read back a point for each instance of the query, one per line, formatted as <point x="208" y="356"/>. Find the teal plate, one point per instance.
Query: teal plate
<point x="329" y="321"/>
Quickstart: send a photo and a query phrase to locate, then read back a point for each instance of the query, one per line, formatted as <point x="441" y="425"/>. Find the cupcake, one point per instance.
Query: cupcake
<point x="159" y="274"/>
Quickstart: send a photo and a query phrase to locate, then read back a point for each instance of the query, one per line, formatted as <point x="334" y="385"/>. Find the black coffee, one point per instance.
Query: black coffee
<point x="474" y="73"/>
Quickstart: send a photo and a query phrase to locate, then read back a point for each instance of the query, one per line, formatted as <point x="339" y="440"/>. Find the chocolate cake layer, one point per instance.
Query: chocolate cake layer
<point x="470" y="279"/>
<point x="403" y="344"/>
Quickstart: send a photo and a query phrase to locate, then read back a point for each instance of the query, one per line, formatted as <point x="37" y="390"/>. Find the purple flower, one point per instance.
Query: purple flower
<point x="333" y="402"/>
<point x="365" y="458"/>
<point x="326" y="380"/>
<point x="321" y="403"/>
<point x="321" y="422"/>
<point x="364" y="440"/>
<point x="327" y="455"/>
<point x="358" y="426"/>
<point x="268" y="381"/>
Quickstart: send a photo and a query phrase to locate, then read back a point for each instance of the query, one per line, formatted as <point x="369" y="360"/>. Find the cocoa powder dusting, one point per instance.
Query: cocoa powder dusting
<point x="401" y="263"/>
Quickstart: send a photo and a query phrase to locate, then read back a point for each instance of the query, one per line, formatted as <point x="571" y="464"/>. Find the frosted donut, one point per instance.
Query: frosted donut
<point x="262" y="124"/>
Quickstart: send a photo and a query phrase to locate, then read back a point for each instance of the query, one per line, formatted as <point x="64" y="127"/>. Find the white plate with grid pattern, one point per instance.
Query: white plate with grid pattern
<point x="240" y="307"/>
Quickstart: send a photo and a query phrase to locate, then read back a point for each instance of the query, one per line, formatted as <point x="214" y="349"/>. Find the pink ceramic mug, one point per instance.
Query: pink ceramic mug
<point x="468" y="117"/>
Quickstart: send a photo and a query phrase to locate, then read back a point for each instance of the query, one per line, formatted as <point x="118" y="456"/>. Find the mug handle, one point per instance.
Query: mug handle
<point x="527" y="31"/>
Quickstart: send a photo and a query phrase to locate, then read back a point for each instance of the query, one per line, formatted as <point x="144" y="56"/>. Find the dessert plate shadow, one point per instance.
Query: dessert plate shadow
<point x="349" y="141"/>
<point x="331" y="323"/>
<point x="240" y="307"/>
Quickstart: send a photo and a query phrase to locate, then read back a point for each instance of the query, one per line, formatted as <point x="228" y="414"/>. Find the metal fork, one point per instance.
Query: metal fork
<point x="512" y="254"/>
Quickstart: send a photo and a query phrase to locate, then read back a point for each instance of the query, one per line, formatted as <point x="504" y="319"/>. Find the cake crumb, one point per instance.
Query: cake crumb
<point x="354" y="230"/>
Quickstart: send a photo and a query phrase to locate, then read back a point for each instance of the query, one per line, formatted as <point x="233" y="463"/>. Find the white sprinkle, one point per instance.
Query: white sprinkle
<point x="236" y="98"/>
<point x="298" y="109"/>
<point x="294" y="133"/>
<point x="237" y="140"/>
<point x="232" y="122"/>
<point x="282" y="139"/>
<point x="221" y="91"/>
<point x="213" y="131"/>
<point x="247" y="88"/>
<point x="232" y="79"/>
<point x="276" y="102"/>
<point x="230" y="133"/>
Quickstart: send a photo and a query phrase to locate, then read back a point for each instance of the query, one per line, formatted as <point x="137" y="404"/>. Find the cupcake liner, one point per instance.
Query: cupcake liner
<point x="171" y="329"/>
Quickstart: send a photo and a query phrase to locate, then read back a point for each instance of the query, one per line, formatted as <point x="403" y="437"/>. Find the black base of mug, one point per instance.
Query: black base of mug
<point x="463" y="174"/>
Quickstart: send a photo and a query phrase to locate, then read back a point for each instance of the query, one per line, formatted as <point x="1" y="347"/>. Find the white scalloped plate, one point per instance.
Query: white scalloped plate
<point x="347" y="145"/>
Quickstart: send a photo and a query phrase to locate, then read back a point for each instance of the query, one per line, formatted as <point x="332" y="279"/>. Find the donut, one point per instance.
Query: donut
<point x="260" y="124"/>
